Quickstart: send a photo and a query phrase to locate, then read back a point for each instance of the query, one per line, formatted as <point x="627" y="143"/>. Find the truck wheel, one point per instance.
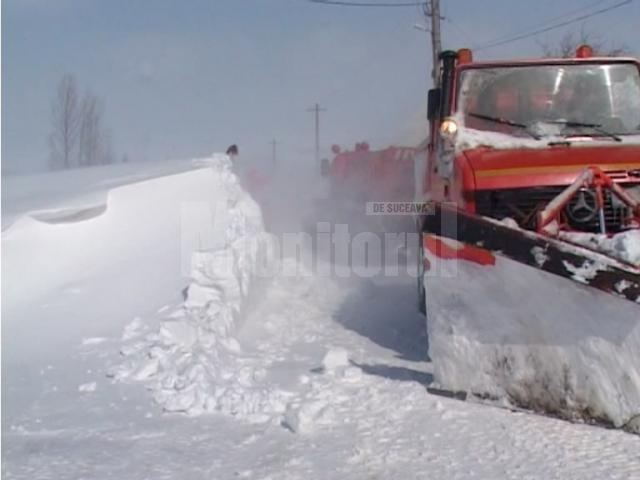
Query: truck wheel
<point x="422" y="307"/>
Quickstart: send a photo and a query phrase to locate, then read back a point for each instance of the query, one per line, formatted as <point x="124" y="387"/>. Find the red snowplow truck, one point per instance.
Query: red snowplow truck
<point x="363" y="175"/>
<point x="530" y="253"/>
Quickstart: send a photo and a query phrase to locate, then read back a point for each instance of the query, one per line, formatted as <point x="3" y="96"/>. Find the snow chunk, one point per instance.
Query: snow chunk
<point x="633" y="425"/>
<point x="623" y="285"/>
<point x="302" y="419"/>
<point x="145" y="370"/>
<point x="180" y="333"/>
<point x="93" y="341"/>
<point x="352" y="374"/>
<point x="88" y="387"/>
<point x="540" y="256"/>
<point x="510" y="222"/>
<point x="336" y="358"/>
<point x="585" y="272"/>
<point x="132" y="330"/>
<point x="624" y="246"/>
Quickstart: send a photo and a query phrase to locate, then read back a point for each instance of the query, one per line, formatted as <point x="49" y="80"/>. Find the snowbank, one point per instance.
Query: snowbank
<point x="513" y="333"/>
<point x="141" y="227"/>
<point x="77" y="188"/>
<point x="194" y="364"/>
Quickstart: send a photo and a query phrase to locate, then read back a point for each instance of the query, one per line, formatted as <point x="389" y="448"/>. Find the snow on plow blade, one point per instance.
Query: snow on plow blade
<point x="538" y="322"/>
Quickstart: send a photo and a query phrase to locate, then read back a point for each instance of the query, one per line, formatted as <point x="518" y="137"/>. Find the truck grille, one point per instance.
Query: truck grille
<point x="522" y="204"/>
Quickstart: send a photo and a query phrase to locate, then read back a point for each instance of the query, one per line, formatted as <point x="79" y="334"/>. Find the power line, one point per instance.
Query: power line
<point x="495" y="43"/>
<point x="459" y="29"/>
<point x="546" y="22"/>
<point x="367" y="4"/>
<point x="505" y="40"/>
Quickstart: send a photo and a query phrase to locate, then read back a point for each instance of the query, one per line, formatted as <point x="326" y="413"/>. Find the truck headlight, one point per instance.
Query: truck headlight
<point x="448" y="128"/>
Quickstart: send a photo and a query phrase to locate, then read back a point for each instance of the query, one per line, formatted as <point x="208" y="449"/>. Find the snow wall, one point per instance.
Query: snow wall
<point x="193" y="363"/>
<point x="528" y="338"/>
<point x="197" y="227"/>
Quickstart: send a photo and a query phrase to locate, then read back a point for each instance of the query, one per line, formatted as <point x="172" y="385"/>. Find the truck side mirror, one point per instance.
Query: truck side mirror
<point x="325" y="167"/>
<point x="433" y="104"/>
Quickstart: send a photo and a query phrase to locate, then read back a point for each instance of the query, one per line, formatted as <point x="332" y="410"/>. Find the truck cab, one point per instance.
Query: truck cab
<point x="508" y="136"/>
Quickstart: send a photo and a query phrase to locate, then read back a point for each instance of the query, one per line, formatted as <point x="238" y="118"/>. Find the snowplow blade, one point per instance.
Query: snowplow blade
<point x="538" y="323"/>
<point x="547" y="254"/>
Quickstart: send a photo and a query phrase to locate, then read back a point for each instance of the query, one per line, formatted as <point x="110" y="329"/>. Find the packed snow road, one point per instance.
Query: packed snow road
<point x="321" y="376"/>
<point x="377" y="421"/>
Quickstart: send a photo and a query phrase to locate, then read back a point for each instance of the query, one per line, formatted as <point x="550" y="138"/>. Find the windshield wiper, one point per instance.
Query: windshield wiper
<point x="593" y="126"/>
<point x="505" y="121"/>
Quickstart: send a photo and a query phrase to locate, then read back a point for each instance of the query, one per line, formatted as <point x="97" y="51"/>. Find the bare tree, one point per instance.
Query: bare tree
<point x="78" y="137"/>
<point x="90" y="131"/>
<point x="570" y="41"/>
<point x="65" y="123"/>
<point x="94" y="141"/>
<point x="107" y="155"/>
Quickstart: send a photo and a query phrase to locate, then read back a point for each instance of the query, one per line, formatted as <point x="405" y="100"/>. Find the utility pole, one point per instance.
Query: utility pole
<point x="273" y="144"/>
<point x="316" y="108"/>
<point x="433" y="11"/>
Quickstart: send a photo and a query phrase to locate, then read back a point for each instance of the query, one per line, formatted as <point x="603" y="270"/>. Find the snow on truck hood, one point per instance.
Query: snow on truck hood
<point x="523" y="162"/>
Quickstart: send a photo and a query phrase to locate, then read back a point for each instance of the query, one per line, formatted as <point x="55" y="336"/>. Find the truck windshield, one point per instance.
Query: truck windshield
<point x="570" y="99"/>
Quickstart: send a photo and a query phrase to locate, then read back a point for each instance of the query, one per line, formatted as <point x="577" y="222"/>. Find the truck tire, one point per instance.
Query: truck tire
<point x="422" y="307"/>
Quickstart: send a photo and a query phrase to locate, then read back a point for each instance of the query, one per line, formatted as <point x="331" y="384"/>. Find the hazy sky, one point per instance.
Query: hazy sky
<point x="186" y="78"/>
